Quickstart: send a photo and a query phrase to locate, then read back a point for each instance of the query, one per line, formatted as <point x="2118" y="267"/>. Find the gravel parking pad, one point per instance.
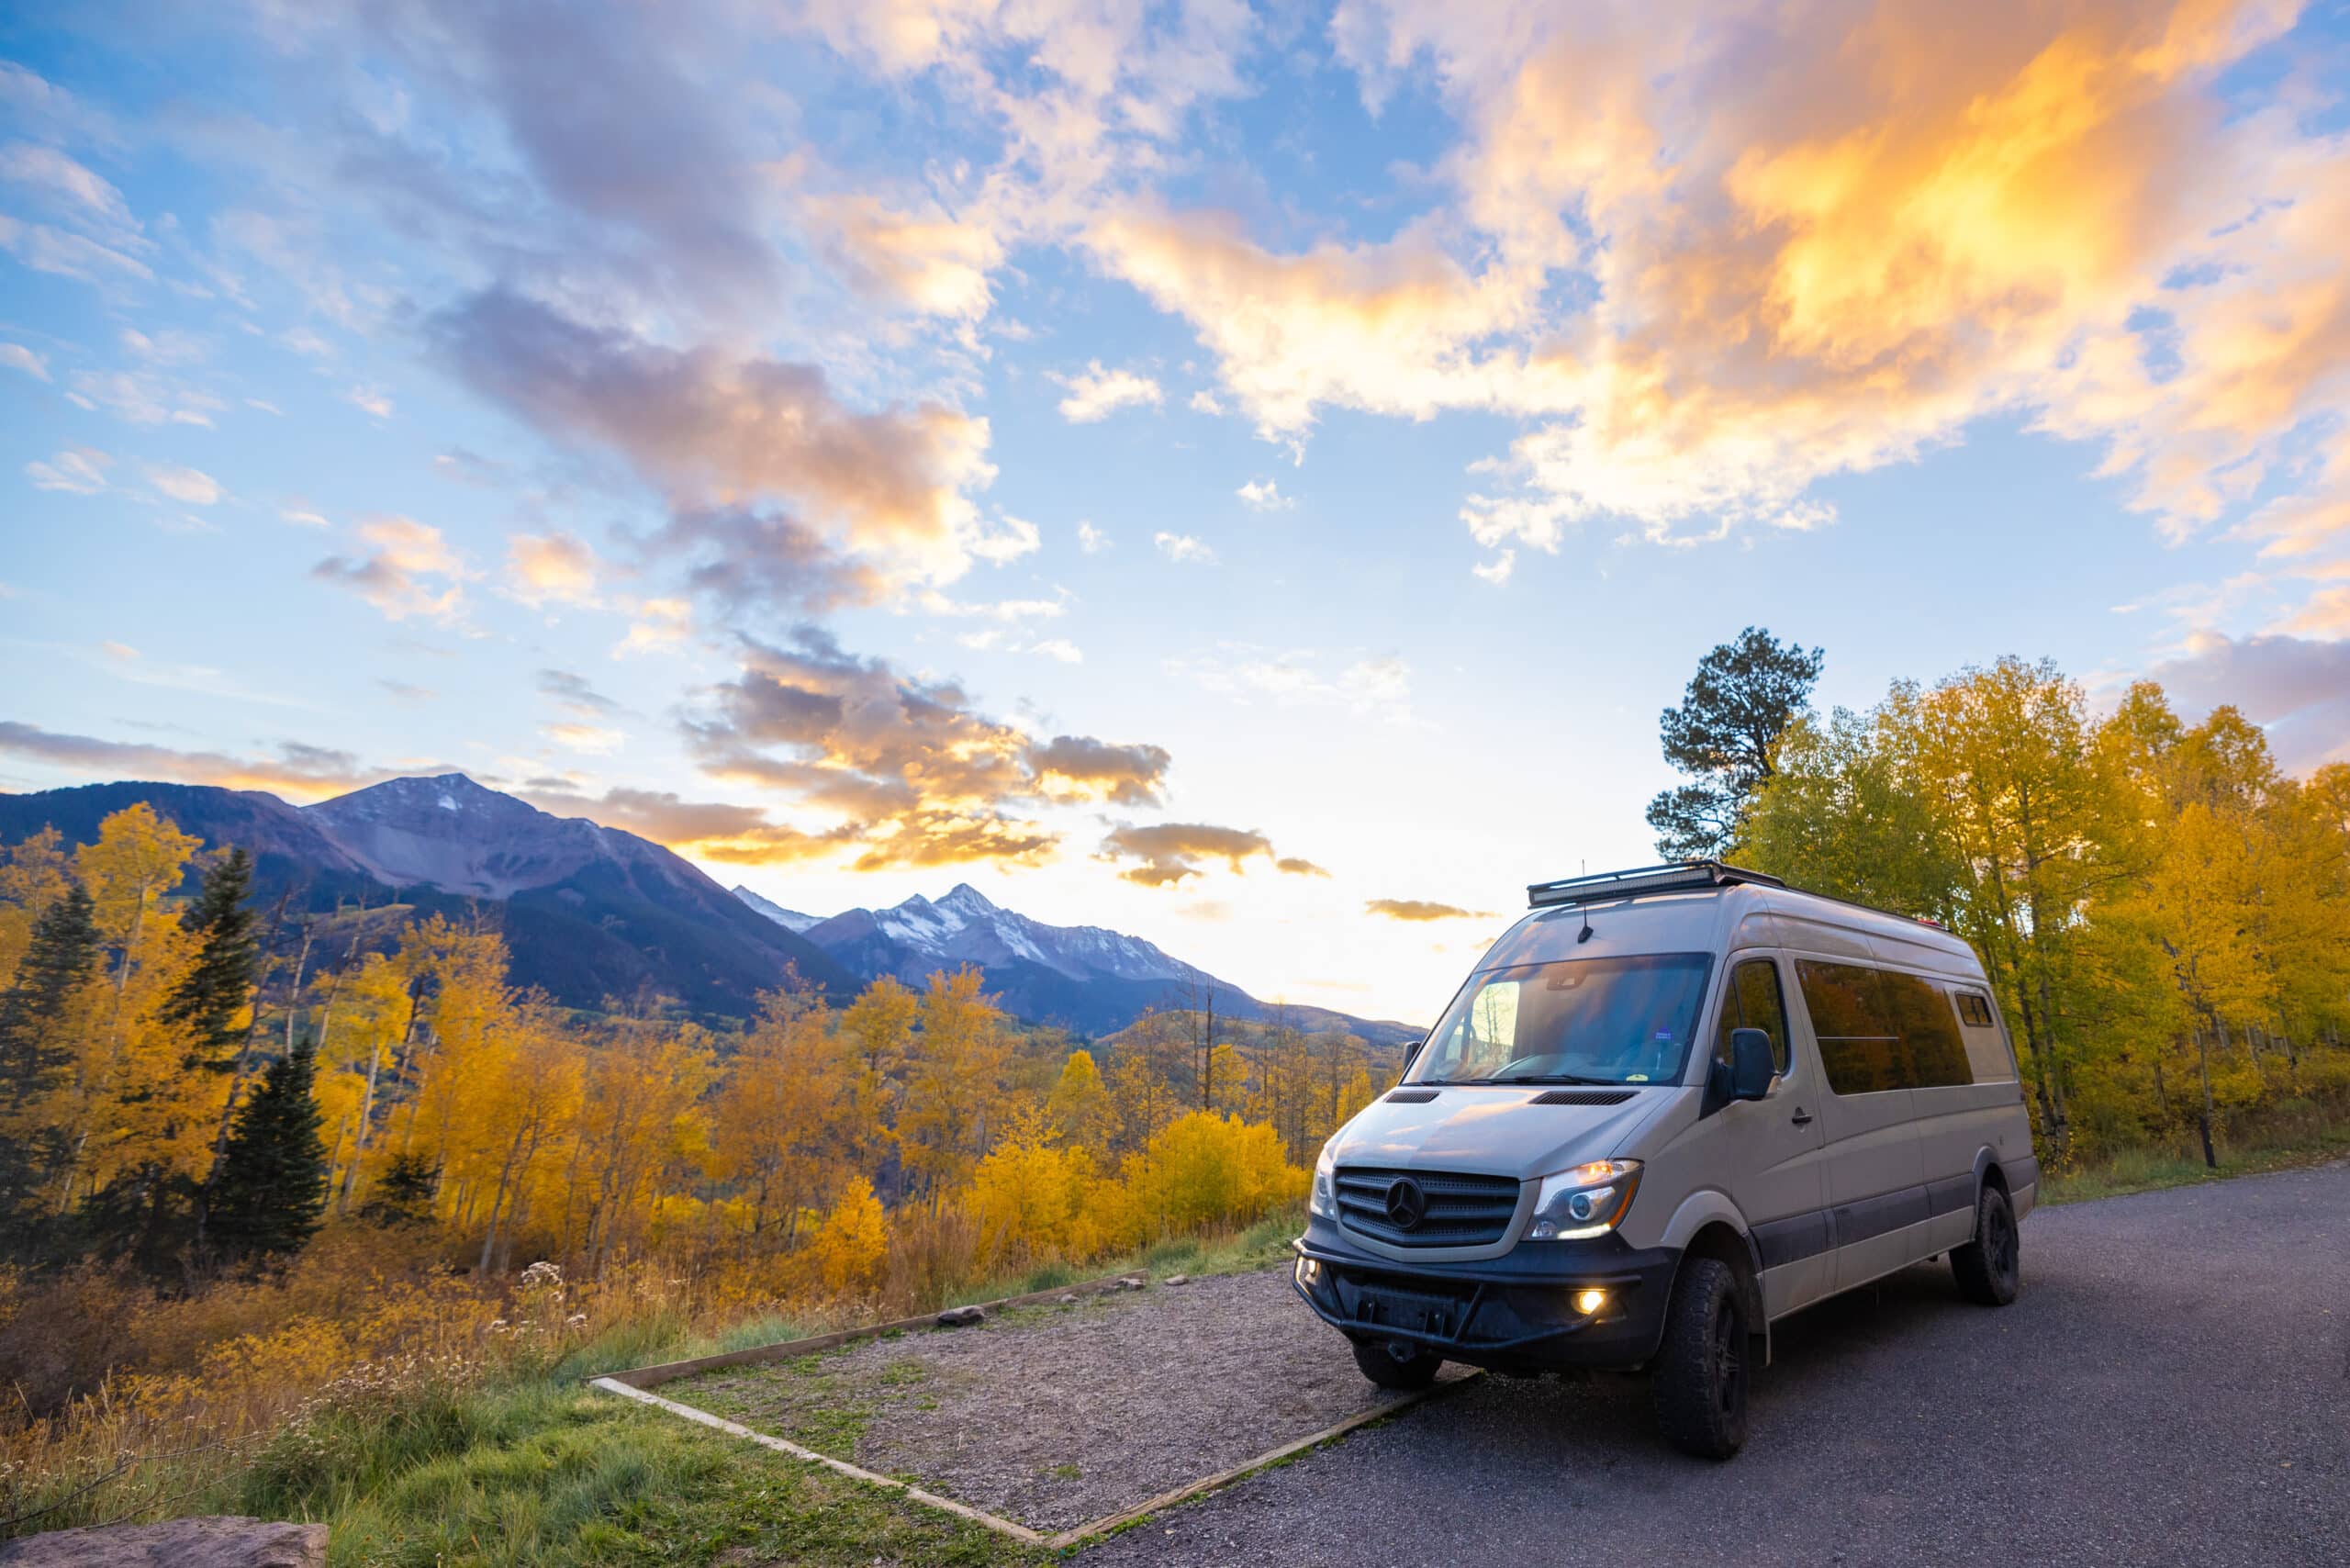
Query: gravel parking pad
<point x="1057" y="1415"/>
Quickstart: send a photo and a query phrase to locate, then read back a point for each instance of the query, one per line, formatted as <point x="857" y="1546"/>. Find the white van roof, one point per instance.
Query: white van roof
<point x="1701" y="912"/>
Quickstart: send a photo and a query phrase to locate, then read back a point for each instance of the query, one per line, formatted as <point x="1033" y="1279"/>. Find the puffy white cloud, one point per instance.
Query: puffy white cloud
<point x="1265" y="495"/>
<point x="1380" y="685"/>
<point x="1095" y="394"/>
<point x="407" y="569"/>
<point x="1183" y="547"/>
<point x="77" y="470"/>
<point x="191" y="486"/>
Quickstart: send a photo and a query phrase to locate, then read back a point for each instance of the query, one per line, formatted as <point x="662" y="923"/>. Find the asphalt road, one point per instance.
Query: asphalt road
<point x="2172" y="1387"/>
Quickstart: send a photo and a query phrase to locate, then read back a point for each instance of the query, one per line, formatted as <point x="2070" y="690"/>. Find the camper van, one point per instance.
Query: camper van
<point x="1670" y="1107"/>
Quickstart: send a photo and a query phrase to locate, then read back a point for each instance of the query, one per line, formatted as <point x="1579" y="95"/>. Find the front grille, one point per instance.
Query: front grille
<point x="1462" y="1211"/>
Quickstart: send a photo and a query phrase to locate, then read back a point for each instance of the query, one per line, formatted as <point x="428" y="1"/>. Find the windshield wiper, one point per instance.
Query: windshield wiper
<point x="1542" y="1078"/>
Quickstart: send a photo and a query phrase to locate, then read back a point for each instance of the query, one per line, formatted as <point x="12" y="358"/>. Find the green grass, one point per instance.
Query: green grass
<point x="534" y="1470"/>
<point x="2147" y="1169"/>
<point x="547" y="1472"/>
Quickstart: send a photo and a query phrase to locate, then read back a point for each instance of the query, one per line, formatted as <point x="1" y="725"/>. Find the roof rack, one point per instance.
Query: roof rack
<point x="1681" y="876"/>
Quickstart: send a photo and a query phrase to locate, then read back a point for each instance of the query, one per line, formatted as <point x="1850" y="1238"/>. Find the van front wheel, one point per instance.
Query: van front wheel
<point x="1701" y="1366"/>
<point x="1989" y="1269"/>
<point x="1409" y="1372"/>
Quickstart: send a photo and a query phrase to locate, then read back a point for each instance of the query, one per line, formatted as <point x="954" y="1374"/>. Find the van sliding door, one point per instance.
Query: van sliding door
<point x="1876" y="1195"/>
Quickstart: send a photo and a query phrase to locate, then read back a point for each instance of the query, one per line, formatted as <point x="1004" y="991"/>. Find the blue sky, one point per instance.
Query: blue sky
<point x="1186" y="468"/>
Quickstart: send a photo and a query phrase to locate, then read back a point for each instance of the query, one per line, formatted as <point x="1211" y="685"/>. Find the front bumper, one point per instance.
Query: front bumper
<point x="1512" y="1313"/>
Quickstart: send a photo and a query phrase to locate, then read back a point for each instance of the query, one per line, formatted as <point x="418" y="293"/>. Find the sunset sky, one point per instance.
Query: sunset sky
<point x="1200" y="470"/>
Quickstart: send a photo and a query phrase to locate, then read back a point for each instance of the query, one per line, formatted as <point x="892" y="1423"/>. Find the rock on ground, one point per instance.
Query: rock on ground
<point x="223" y="1543"/>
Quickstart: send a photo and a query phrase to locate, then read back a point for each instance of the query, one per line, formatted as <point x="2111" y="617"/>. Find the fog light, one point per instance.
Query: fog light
<point x="1309" y="1270"/>
<point x="1589" y="1302"/>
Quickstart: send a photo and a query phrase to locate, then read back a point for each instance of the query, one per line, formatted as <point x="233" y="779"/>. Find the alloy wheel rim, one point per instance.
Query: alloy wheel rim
<point x="1729" y="1367"/>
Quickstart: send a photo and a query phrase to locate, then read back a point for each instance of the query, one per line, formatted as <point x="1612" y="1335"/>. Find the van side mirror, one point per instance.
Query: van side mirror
<point x="1411" y="1054"/>
<point x="1750" y="1065"/>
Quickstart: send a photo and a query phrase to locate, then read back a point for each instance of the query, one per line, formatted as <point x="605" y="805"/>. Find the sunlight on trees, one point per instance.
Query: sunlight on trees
<point x="153" y="1047"/>
<point x="2166" y="916"/>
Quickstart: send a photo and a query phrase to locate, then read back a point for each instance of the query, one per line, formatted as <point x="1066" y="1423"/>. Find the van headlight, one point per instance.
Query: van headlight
<point x="1324" y="1200"/>
<point x="1590" y="1200"/>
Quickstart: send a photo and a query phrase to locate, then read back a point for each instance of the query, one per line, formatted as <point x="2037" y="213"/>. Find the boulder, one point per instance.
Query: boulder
<point x="1179" y="1279"/>
<point x="218" y="1542"/>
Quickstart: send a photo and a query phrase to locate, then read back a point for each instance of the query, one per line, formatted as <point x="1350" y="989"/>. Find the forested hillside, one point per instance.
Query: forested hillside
<point x="229" y="1171"/>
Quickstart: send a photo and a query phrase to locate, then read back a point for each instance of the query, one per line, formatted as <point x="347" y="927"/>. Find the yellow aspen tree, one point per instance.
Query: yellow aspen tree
<point x="640" y="1117"/>
<point x="853" y="1244"/>
<point x="954" y="1084"/>
<point x="781" y="1125"/>
<point x="875" y="1037"/>
<point x="133" y="1104"/>
<point x="1029" y="1192"/>
<point x="528" y="1097"/>
<point x="1079" y="1108"/>
<point x="31" y="874"/>
<point x="367" y="1023"/>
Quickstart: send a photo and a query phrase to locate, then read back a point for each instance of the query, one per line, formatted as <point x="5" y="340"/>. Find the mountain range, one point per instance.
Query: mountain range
<point x="591" y="913"/>
<point x="587" y="912"/>
<point x="1086" y="977"/>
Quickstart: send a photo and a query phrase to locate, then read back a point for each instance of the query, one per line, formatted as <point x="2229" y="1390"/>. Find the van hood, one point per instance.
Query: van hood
<point x="1496" y="1131"/>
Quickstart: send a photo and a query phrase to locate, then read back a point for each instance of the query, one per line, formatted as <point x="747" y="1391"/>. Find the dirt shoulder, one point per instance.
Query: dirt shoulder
<point x="1057" y="1414"/>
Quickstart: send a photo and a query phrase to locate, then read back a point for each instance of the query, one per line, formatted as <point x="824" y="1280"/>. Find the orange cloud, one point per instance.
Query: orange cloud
<point x="903" y="771"/>
<point x="1421" y="910"/>
<point x="410" y="569"/>
<point x="1721" y="253"/>
<point x="556" y="567"/>
<point x="1166" y="853"/>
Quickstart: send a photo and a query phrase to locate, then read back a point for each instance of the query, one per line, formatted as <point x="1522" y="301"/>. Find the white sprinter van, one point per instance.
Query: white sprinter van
<point x="1668" y="1107"/>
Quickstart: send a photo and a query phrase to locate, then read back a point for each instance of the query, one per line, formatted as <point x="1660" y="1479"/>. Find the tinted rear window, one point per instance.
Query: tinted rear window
<point x="1929" y="1030"/>
<point x="1859" y="1046"/>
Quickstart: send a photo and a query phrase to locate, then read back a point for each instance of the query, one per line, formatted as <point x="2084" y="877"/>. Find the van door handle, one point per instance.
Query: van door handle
<point x="1802" y="1117"/>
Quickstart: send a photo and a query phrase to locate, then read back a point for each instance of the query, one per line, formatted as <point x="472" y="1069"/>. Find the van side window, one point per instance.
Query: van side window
<point x="1929" y="1029"/>
<point x="1753" y="1000"/>
<point x="1859" y="1046"/>
<point x="1987" y="1053"/>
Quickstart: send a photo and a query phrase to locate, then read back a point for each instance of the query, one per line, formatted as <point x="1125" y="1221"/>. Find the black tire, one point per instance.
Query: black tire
<point x="1989" y="1269"/>
<point x="1701" y="1371"/>
<point x="1410" y="1373"/>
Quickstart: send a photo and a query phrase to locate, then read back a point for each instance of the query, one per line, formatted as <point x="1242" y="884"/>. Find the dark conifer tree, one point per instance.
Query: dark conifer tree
<point x="1725" y="733"/>
<point x="403" y="1194"/>
<point x="35" y="1011"/>
<point x="271" y="1187"/>
<point x="221" y="981"/>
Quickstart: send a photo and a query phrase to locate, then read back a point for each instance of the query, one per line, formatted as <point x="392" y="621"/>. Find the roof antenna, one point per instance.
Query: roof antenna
<point x="1584" y="934"/>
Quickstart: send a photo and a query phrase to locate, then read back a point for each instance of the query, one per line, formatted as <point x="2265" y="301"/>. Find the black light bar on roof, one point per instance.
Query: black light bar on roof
<point x="1683" y="877"/>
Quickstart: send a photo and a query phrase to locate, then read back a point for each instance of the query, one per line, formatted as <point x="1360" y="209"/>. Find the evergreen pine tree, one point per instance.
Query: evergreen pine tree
<point x="34" y="1010"/>
<point x="403" y="1194"/>
<point x="221" y="981"/>
<point x="272" y="1184"/>
<point x="1745" y="694"/>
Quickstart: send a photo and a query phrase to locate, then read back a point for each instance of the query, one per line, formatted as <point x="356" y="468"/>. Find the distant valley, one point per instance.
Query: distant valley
<point x="591" y="913"/>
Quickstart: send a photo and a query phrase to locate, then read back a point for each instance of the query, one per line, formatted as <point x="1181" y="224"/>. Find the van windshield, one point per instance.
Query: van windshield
<point x="1627" y="1020"/>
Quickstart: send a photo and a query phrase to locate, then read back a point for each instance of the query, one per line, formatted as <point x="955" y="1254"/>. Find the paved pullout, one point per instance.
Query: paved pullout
<point x="2173" y="1387"/>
